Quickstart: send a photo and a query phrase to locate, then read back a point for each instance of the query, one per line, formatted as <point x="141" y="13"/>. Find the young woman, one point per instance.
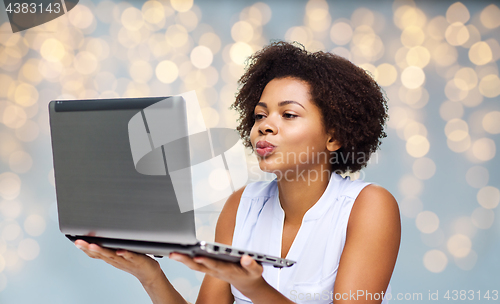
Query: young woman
<point x="309" y="117"/>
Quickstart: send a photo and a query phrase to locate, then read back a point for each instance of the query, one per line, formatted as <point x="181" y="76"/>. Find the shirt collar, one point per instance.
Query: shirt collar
<point x="326" y="200"/>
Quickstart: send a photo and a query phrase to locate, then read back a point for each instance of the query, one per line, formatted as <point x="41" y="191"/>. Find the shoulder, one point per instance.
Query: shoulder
<point x="375" y="209"/>
<point x="227" y="218"/>
<point x="372" y="242"/>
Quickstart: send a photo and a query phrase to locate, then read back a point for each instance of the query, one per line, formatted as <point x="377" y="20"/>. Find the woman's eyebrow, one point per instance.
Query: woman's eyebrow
<point x="280" y="104"/>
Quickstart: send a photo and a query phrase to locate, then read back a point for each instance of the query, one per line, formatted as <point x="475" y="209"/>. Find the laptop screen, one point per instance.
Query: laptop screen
<point x="99" y="190"/>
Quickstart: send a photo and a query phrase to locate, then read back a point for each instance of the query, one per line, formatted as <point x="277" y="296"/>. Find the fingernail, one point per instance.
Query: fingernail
<point x="174" y="257"/>
<point x="246" y="262"/>
<point x="79" y="246"/>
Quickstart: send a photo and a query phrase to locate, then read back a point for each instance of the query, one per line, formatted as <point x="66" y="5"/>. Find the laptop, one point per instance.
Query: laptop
<point x="110" y="188"/>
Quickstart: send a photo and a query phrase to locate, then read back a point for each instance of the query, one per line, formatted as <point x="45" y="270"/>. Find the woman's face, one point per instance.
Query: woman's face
<point x="287" y="118"/>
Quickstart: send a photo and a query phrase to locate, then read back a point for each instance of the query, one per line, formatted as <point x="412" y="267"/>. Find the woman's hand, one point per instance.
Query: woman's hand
<point x="144" y="268"/>
<point x="247" y="277"/>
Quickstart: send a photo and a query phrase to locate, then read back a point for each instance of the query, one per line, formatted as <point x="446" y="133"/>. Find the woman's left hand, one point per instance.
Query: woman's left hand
<point x="247" y="277"/>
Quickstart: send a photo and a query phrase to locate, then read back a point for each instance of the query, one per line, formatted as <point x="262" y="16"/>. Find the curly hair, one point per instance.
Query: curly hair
<point x="351" y="102"/>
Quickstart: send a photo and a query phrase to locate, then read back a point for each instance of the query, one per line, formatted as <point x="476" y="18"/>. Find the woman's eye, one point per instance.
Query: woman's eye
<point x="289" y="115"/>
<point x="257" y="116"/>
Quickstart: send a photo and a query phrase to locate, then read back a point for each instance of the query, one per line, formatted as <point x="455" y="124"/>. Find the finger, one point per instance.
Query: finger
<point x="251" y="265"/>
<point x="105" y="254"/>
<point x="127" y="255"/>
<point x="81" y="243"/>
<point x="210" y="263"/>
<point x="109" y="253"/>
<point x="189" y="262"/>
<point x="83" y="246"/>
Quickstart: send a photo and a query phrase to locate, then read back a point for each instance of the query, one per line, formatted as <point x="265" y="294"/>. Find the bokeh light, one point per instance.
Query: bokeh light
<point x="418" y="56"/>
<point x="239" y="52"/>
<point x="457" y="34"/>
<point x="412" y="36"/>
<point x="10" y="185"/>
<point x="176" y="35"/>
<point x="491" y="122"/>
<point x="341" y="33"/>
<point x="387" y="74"/>
<point x="167" y="71"/>
<point x="427" y="221"/>
<point x="412" y="77"/>
<point x="480" y="53"/>
<point x="477" y="176"/>
<point x="456" y="129"/>
<point x="489" y="86"/>
<point x="242" y="31"/>
<point x="483" y="218"/>
<point x="417" y="146"/>
<point x="52" y="50"/>
<point x="435" y="260"/>
<point x="484" y="149"/>
<point x="488" y="197"/>
<point x="459" y="245"/>
<point x="201" y="57"/>
<point x="457" y="12"/>
<point x="490" y="16"/>
<point x="181" y="5"/>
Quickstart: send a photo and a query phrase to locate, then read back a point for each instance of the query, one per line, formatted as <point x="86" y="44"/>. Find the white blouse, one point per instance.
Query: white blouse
<point x="317" y="246"/>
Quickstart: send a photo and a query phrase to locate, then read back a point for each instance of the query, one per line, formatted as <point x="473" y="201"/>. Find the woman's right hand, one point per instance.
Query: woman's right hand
<point x="144" y="268"/>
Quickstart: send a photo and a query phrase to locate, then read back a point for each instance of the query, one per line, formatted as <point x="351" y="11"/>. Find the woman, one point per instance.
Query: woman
<point x="309" y="117"/>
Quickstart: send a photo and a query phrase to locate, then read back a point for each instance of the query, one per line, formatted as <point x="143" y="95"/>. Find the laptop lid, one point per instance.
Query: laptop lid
<point x="100" y="191"/>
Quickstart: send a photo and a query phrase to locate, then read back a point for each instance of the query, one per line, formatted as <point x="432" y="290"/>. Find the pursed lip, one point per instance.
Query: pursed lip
<point x="264" y="148"/>
<point x="263" y="144"/>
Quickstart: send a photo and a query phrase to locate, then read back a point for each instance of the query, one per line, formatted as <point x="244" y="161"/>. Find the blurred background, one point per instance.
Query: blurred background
<point x="436" y="60"/>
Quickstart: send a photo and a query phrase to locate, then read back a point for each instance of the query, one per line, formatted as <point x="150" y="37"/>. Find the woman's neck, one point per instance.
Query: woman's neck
<point x="300" y="193"/>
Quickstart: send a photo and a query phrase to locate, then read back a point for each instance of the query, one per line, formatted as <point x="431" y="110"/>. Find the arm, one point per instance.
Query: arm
<point x="371" y="248"/>
<point x="144" y="268"/>
<point x="216" y="288"/>
<point x="149" y="273"/>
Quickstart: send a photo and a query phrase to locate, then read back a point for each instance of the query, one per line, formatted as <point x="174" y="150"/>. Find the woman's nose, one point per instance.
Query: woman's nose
<point x="268" y="128"/>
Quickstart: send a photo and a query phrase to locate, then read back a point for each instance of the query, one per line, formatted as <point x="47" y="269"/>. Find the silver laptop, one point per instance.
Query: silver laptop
<point x="104" y="198"/>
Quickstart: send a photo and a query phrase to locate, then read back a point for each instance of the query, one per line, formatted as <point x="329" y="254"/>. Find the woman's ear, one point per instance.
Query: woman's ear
<point x="332" y="144"/>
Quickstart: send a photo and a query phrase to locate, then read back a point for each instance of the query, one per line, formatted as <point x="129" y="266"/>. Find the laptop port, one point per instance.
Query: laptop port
<point x="271" y="259"/>
<point x="216" y="248"/>
<point x="251" y="254"/>
<point x="260" y="257"/>
<point x="228" y="250"/>
<point x="241" y="252"/>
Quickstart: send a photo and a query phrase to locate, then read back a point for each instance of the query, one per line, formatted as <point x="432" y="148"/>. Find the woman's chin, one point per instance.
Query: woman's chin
<point x="270" y="167"/>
